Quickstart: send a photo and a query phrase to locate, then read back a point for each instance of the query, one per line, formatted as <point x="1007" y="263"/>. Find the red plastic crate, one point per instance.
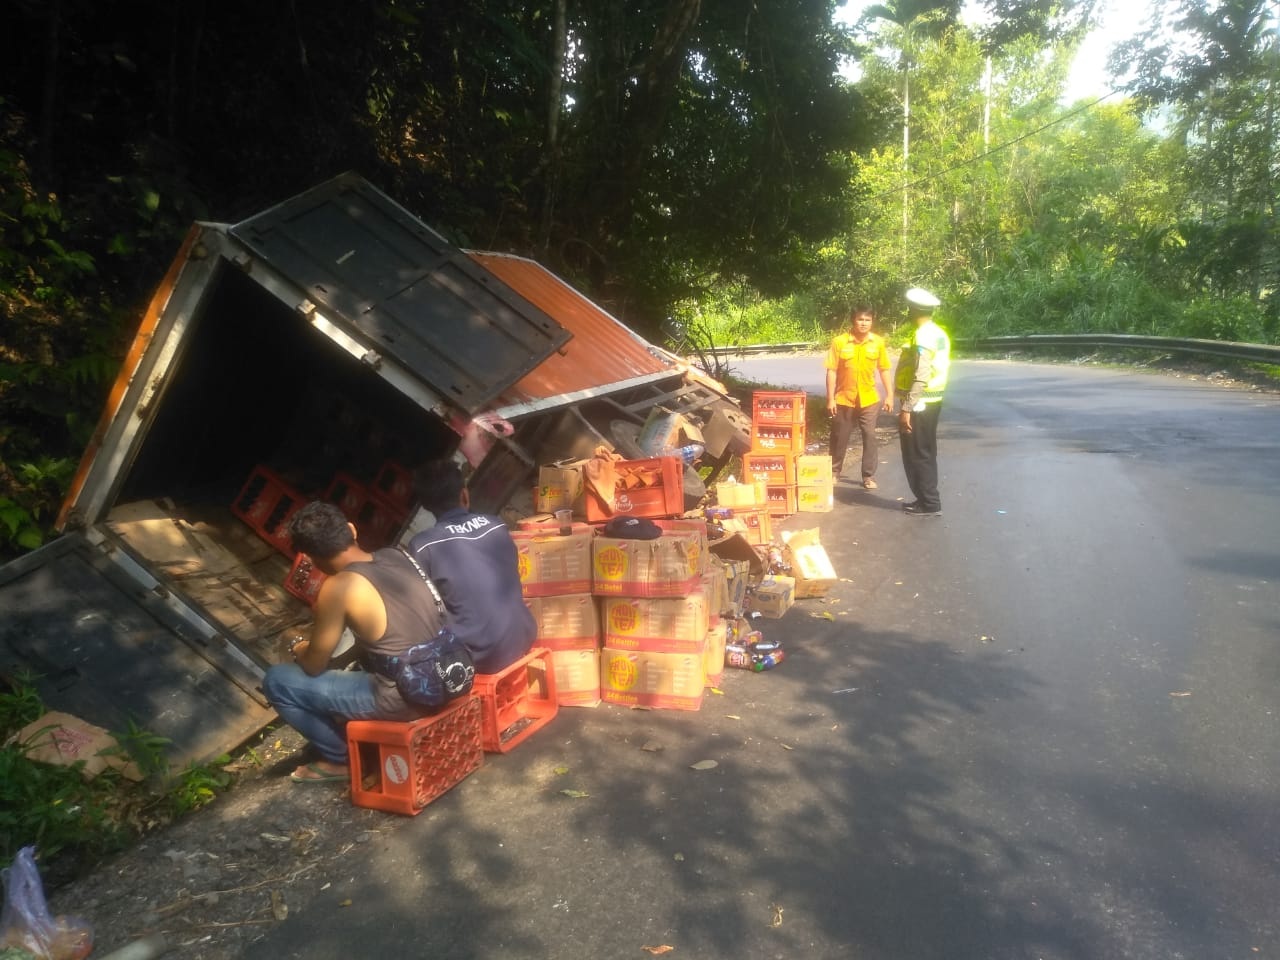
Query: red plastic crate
<point x="777" y="438"/>
<point x="410" y="764"/>
<point x="266" y="503"/>
<point x="775" y="406"/>
<point x="524" y="691"/>
<point x="394" y="484"/>
<point x="377" y="520"/>
<point x="304" y="580"/>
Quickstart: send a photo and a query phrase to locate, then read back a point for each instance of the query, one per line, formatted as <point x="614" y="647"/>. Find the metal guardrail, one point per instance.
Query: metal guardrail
<point x="1250" y="352"/>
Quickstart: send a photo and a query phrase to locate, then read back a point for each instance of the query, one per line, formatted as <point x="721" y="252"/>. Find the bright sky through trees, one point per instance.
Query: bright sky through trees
<point x="1115" y="22"/>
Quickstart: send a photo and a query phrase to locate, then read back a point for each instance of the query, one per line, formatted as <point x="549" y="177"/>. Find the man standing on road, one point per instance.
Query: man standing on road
<point x="472" y="560"/>
<point x="853" y="363"/>
<point x="921" y="380"/>
<point x="389" y="609"/>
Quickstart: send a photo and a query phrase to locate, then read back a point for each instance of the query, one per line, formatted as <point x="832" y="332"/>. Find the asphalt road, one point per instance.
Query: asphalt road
<point x="1043" y="725"/>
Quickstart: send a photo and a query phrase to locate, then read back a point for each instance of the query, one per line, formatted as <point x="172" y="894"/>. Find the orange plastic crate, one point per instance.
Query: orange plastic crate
<point x="782" y="500"/>
<point x="775" y="438"/>
<point x="517" y="702"/>
<point x="394" y="483"/>
<point x="407" y="765"/>
<point x="774" y="406"/>
<point x="266" y="503"/>
<point x="775" y="469"/>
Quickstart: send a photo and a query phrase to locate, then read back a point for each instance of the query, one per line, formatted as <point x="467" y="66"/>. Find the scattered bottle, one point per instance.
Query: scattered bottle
<point x="689" y="453"/>
<point x="768" y="661"/>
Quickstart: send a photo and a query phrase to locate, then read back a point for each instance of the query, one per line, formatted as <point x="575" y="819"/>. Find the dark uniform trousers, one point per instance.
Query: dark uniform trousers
<point x="920" y="456"/>
<point x="842" y="429"/>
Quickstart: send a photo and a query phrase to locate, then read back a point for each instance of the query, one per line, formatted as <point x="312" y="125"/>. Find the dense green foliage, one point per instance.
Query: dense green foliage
<point x="701" y="159"/>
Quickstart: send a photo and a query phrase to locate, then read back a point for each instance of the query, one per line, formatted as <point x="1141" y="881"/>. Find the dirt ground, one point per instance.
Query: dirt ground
<point x="213" y="881"/>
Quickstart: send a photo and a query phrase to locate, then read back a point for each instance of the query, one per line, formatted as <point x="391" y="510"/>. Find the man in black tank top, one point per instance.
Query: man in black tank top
<point x="387" y="607"/>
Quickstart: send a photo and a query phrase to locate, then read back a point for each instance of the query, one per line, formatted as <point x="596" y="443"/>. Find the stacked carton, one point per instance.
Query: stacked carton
<point x="555" y="575"/>
<point x="654" y="617"/>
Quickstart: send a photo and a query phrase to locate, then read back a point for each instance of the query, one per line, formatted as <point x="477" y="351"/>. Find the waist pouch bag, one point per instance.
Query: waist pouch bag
<point x="431" y="673"/>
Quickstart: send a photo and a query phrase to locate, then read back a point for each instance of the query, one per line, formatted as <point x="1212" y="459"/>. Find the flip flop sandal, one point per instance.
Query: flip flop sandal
<point x="321" y="775"/>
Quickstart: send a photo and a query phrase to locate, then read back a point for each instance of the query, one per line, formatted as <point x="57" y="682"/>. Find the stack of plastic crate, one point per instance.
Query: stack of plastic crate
<point x="777" y="438"/>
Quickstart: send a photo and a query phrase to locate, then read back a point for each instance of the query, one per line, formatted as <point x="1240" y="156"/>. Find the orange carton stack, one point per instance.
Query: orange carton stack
<point x="777" y="438"/>
<point x="654" y="617"/>
<point x="555" y="574"/>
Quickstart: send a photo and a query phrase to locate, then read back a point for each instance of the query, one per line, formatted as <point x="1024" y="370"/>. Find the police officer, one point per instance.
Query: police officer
<point x="920" y="382"/>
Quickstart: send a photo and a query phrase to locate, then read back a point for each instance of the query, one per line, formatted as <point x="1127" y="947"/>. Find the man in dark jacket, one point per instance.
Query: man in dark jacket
<point x="471" y="558"/>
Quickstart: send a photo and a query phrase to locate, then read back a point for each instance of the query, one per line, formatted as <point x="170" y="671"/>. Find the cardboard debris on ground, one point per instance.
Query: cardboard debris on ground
<point x="810" y="565"/>
<point x="775" y="596"/>
<point x="665" y="430"/>
<point x="61" y="739"/>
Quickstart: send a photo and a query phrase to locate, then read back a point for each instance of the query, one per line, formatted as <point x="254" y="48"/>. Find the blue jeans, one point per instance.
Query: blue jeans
<point x="319" y="707"/>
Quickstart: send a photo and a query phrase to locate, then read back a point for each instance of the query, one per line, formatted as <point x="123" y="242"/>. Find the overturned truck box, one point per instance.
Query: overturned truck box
<point x="320" y="349"/>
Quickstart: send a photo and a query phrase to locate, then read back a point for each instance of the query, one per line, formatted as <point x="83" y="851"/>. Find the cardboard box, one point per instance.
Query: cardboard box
<point x="713" y="657"/>
<point x="753" y="524"/>
<point x="810" y="566"/>
<point x="663" y="497"/>
<point x="549" y="526"/>
<point x="577" y="675"/>
<point x="666" y="430"/>
<point x="551" y="565"/>
<point x="694" y="526"/>
<point x="559" y="487"/>
<point x="661" y="625"/>
<point x="775" y="469"/>
<point x="734" y="494"/>
<point x="715" y="584"/>
<point x="813" y="469"/>
<point x="742" y="565"/>
<point x="670" y="681"/>
<point x="669" y="566"/>
<point x="818" y="498"/>
<point x="566" y="623"/>
<point x="728" y="431"/>
<point x="775" y="596"/>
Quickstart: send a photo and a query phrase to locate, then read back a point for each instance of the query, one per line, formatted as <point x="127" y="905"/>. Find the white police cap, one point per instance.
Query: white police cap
<point x="919" y="297"/>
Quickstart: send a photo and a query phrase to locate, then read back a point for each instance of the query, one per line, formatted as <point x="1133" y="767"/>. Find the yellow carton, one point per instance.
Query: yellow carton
<point x="559" y="487"/>
<point x="813" y="470"/>
<point x="717" y="638"/>
<point x="661" y="625"/>
<point x="635" y="678"/>
<point x="669" y="566"/>
<point x="551" y="565"/>
<point x="753" y="494"/>
<point x="816" y="498"/>
<point x="566" y="623"/>
<point x="577" y="677"/>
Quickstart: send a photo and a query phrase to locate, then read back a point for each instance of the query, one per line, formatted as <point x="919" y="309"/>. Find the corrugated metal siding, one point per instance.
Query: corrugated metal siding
<point x="602" y="352"/>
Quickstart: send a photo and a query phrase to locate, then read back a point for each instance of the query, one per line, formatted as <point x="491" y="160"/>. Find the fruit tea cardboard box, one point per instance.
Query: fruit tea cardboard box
<point x="697" y="526"/>
<point x="717" y="638"/>
<point x="637" y="678"/>
<point x="661" y="625"/>
<point x="566" y="623"/>
<point x="560" y="486"/>
<point x="551" y="565"/>
<point x="715" y="584"/>
<point x="774" y="596"/>
<point x="810" y="565"/>
<point x="577" y="675"/>
<point x="669" y="566"/>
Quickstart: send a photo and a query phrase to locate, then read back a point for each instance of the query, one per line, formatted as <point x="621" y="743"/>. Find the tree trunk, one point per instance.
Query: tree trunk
<point x="49" y="100"/>
<point x="555" y="95"/>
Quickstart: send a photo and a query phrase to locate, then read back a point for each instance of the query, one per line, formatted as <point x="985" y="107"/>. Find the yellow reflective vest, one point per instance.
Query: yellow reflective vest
<point x="914" y="382"/>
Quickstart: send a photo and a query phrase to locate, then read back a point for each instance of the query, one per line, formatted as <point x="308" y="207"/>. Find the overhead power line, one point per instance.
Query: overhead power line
<point x="1003" y="146"/>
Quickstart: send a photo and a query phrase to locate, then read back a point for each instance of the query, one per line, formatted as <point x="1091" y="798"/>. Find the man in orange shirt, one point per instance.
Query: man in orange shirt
<point x="853" y="363"/>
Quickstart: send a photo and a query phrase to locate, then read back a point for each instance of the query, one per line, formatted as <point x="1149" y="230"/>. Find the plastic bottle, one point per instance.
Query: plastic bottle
<point x="688" y="453"/>
<point x="768" y="661"/>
